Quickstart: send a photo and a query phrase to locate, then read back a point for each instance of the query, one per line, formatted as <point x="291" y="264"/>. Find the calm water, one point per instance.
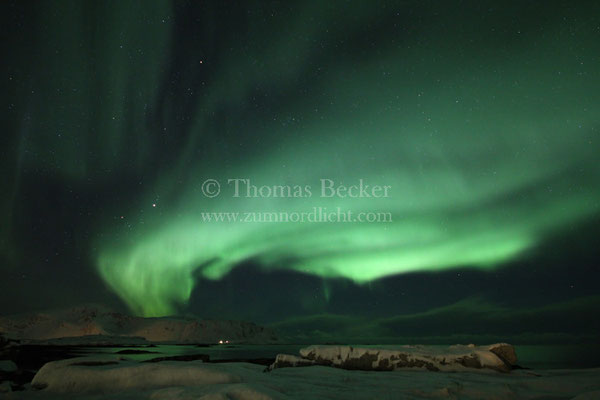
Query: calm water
<point x="530" y="356"/>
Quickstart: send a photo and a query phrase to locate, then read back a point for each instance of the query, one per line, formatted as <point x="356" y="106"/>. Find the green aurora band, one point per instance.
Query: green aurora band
<point x="488" y="151"/>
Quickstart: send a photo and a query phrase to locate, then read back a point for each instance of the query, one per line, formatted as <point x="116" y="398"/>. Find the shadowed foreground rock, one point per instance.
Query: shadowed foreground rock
<point x="498" y="357"/>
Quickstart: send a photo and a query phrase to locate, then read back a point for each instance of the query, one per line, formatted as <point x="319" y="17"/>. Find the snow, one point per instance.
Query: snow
<point x="241" y="381"/>
<point x="89" y="374"/>
<point x="7" y="366"/>
<point x="453" y="358"/>
<point x="467" y="372"/>
<point x="105" y="326"/>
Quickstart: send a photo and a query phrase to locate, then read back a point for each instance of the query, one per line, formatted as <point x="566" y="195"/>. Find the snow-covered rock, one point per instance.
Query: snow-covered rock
<point x="98" y="322"/>
<point x="5" y="387"/>
<point x="242" y="381"/>
<point x="498" y="357"/>
<point x="505" y="352"/>
<point x="287" y="360"/>
<point x="7" y="366"/>
<point x="6" y="343"/>
<point x="92" y="374"/>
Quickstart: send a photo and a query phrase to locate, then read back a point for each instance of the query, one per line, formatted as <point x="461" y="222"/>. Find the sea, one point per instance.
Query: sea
<point x="530" y="356"/>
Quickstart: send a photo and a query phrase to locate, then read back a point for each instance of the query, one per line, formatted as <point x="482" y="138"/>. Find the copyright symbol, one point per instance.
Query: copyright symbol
<point x="211" y="188"/>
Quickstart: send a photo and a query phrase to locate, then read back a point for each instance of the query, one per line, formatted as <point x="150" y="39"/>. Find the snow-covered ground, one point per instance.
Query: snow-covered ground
<point x="328" y="372"/>
<point x="117" y="378"/>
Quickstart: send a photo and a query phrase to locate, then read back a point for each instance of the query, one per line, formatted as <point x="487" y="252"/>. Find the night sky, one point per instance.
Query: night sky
<point x="482" y="119"/>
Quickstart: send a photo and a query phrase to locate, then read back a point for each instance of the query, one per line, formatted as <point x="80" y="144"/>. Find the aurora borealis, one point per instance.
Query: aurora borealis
<point x="481" y="117"/>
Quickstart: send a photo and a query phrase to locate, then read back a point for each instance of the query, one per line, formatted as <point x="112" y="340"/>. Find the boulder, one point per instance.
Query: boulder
<point x="499" y="357"/>
<point x="7" y="366"/>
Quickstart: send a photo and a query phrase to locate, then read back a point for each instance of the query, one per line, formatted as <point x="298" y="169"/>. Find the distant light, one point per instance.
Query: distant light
<point x="220" y="342"/>
<point x="153" y="204"/>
